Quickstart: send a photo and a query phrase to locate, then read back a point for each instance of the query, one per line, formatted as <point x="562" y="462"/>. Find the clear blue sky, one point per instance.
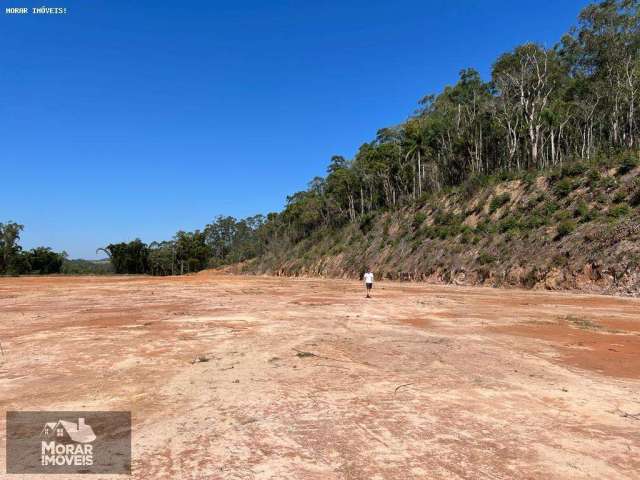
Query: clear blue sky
<point x="136" y="119"/>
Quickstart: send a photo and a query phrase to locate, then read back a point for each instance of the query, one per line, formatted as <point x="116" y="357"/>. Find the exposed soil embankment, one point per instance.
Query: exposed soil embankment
<point x="576" y="229"/>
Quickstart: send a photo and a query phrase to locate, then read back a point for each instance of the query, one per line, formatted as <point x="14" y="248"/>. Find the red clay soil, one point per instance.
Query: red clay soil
<point x="307" y="379"/>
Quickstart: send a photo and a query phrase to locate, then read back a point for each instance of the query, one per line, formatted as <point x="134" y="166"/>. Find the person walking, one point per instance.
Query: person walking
<point x="368" y="282"/>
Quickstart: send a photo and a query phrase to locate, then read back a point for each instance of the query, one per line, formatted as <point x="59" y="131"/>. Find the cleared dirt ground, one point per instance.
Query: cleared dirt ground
<point x="420" y="381"/>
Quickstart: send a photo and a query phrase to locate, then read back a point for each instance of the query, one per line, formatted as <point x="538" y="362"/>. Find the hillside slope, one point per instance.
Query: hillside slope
<point x="575" y="228"/>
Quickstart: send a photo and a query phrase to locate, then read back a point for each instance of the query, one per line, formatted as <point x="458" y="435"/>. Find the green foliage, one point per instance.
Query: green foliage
<point x="565" y="228"/>
<point x="618" y="211"/>
<point x="620" y="196"/>
<point x="474" y="184"/>
<point x="601" y="198"/>
<point x="230" y="240"/>
<point x="15" y="261"/>
<point x="11" y="260"/>
<point x="563" y="187"/>
<point x="467" y="236"/>
<point x="532" y="221"/>
<point x="131" y="257"/>
<point x="608" y="183"/>
<point x="529" y="178"/>
<point x="593" y="177"/>
<point x="485" y="227"/>
<point x="366" y="223"/>
<point x="43" y="260"/>
<point x="581" y="210"/>
<point x="418" y="220"/>
<point x="628" y="163"/>
<point x="583" y="213"/>
<point x="561" y="215"/>
<point x="506" y="175"/>
<point x="442" y="218"/>
<point x="485" y="259"/>
<point x="498" y="201"/>
<point x="573" y="170"/>
<point x="548" y="208"/>
<point x="509" y="224"/>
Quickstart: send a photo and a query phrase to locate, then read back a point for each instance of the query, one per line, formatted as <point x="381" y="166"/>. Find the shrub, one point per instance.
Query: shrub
<point x="443" y="218"/>
<point x="533" y="221"/>
<point x="573" y="170"/>
<point x="591" y="215"/>
<point x="444" y="231"/>
<point x="620" y="196"/>
<point x="366" y="223"/>
<point x="563" y="187"/>
<point x="549" y="208"/>
<point x="583" y="212"/>
<point x="506" y="175"/>
<point x="509" y="224"/>
<point x="608" y="183"/>
<point x="618" y="211"/>
<point x="581" y="209"/>
<point x="533" y="202"/>
<point x="485" y="259"/>
<point x="498" y="201"/>
<point x="415" y="244"/>
<point x="563" y="215"/>
<point x="485" y="227"/>
<point x="593" y="177"/>
<point x="565" y="228"/>
<point x="418" y="219"/>
<point x="428" y="232"/>
<point x="473" y="184"/>
<point x="629" y="162"/>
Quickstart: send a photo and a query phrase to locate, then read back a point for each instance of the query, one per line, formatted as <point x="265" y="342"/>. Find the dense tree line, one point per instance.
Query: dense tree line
<point x="542" y="107"/>
<point x="15" y="261"/>
<point x="223" y="241"/>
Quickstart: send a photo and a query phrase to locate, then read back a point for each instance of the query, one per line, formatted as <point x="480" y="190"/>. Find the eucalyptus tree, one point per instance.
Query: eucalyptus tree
<point x="605" y="49"/>
<point x="527" y="79"/>
<point x="9" y="247"/>
<point x="128" y="257"/>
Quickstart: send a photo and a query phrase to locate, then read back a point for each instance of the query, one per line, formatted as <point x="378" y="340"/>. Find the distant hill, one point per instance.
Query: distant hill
<point x="94" y="267"/>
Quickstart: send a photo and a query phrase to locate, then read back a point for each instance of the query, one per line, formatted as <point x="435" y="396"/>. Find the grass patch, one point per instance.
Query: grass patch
<point x="565" y="228"/>
<point x="619" y="211"/>
<point x="582" y="323"/>
<point x="486" y="259"/>
<point x="498" y="201"/>
<point x="563" y="187"/>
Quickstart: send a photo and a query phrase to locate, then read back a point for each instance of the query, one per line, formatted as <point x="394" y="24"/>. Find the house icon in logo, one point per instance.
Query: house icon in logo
<point x="64" y="432"/>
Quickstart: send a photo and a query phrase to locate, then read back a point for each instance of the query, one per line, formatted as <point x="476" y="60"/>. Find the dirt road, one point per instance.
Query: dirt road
<point x="306" y="379"/>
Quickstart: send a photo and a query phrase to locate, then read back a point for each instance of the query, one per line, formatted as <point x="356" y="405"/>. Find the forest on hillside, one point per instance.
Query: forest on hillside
<point x="542" y="109"/>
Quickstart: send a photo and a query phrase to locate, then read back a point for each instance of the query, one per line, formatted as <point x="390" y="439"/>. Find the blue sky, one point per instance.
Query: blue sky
<point x="137" y="119"/>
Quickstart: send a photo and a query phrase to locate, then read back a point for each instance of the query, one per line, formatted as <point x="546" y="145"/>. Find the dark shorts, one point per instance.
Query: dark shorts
<point x="369" y="286"/>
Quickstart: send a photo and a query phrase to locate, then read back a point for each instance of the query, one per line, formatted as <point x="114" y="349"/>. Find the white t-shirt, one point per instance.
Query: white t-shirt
<point x="368" y="277"/>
